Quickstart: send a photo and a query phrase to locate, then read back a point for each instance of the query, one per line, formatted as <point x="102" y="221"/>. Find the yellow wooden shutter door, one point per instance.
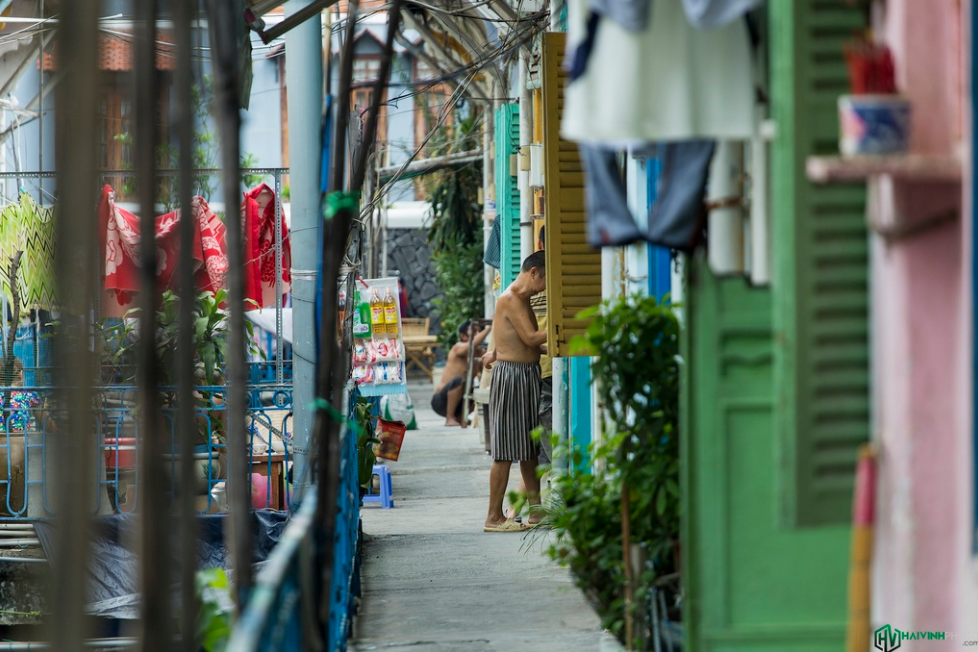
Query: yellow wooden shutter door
<point x="573" y="267"/>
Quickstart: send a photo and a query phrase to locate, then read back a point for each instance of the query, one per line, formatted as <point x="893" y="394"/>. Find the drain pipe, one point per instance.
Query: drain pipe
<point x="861" y="556"/>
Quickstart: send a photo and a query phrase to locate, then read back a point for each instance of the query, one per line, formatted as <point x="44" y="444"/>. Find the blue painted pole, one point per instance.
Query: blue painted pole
<point x="304" y="76"/>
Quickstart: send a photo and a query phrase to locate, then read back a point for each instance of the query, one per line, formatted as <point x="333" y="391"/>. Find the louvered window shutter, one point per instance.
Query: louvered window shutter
<point x="821" y="294"/>
<point x="573" y="267"/>
<point x="508" y="191"/>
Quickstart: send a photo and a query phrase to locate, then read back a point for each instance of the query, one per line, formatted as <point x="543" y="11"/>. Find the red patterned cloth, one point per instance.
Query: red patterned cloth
<point x="120" y="237"/>
<point x="258" y="215"/>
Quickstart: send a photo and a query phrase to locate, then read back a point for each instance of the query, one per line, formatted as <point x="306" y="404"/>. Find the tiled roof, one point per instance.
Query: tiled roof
<point x="116" y="53"/>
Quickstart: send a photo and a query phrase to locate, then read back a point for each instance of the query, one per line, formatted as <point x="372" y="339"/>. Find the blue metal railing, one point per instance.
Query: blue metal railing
<point x="282" y="612"/>
<point x="24" y="467"/>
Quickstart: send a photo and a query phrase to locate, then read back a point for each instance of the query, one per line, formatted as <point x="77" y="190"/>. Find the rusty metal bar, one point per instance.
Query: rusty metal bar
<point x="224" y="23"/>
<point x="77" y="98"/>
<point x="183" y="11"/>
<point x="154" y="549"/>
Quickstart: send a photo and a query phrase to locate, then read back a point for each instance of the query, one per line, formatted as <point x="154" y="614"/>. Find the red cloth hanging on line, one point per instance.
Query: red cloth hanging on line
<point x="258" y="215"/>
<point x="119" y="238"/>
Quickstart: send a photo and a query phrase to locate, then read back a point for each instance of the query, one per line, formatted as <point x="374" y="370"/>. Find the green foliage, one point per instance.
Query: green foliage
<point x="637" y="374"/>
<point x="214" y="621"/>
<point x="454" y="235"/>
<point x="454" y="192"/>
<point x="209" y="340"/>
<point x="458" y="272"/>
<point x="365" y="440"/>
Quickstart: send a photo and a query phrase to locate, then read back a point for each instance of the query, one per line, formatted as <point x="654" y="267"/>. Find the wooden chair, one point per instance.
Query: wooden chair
<point x="419" y="345"/>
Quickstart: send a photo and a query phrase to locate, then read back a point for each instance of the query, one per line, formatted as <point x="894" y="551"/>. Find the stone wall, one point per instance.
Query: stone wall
<point x="409" y="257"/>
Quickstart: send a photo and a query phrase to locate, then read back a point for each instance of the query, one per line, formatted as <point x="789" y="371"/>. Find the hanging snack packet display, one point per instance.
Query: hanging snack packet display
<point x="378" y="351"/>
<point x="391" y="436"/>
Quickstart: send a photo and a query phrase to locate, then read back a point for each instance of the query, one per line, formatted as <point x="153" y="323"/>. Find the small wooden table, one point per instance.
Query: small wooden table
<point x="260" y="464"/>
<point x="419" y="350"/>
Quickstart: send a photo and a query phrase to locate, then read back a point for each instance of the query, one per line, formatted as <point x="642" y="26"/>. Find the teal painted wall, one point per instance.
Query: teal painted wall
<point x="580" y="402"/>
<point x="752" y="582"/>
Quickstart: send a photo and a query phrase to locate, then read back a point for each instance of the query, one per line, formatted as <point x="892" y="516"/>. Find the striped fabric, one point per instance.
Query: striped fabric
<point x="493" y="247"/>
<point x="514" y="400"/>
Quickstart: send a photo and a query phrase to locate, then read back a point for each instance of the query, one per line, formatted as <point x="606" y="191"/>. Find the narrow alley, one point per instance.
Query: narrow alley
<point x="432" y="580"/>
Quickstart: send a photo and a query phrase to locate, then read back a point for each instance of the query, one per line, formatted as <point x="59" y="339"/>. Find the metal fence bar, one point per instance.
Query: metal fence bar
<point x="224" y="25"/>
<point x="154" y="549"/>
<point x="183" y="11"/>
<point x="160" y="172"/>
<point x="77" y="99"/>
<point x="279" y="364"/>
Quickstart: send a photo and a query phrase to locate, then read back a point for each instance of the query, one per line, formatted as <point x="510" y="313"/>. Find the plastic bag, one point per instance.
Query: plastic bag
<point x="399" y="407"/>
<point x="391" y="436"/>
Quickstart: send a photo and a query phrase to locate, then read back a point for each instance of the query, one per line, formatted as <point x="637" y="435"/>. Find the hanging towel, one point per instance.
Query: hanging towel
<point x="258" y="215"/>
<point x="668" y="82"/>
<point x="28" y="227"/>
<point x="493" y="253"/>
<point x="120" y="238"/>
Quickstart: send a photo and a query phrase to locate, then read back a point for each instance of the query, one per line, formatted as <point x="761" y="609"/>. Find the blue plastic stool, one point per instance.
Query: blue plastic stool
<point x="386" y="497"/>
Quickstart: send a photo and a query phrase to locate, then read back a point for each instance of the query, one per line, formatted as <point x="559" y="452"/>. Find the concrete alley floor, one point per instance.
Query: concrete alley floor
<point x="434" y="582"/>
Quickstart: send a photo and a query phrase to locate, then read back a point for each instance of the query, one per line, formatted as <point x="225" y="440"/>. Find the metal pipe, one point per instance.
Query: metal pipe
<point x="304" y="47"/>
<point x="431" y="164"/>
<point x="98" y="643"/>
<point x="335" y="234"/>
<point x="224" y="23"/>
<point x="183" y="11"/>
<point x="76" y="109"/>
<point x="16" y="543"/>
<point x="155" y="578"/>
<point x="526" y="137"/>
<point x="308" y="12"/>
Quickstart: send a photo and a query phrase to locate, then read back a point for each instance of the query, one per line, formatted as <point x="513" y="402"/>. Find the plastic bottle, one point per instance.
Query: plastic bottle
<point x="390" y="312"/>
<point x="361" y="317"/>
<point x="377" y="312"/>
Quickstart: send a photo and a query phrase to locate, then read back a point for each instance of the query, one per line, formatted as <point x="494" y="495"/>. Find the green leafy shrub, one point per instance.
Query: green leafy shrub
<point x="458" y="272"/>
<point x="636" y="341"/>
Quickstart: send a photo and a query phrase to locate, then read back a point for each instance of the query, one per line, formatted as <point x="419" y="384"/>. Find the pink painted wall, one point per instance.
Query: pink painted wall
<point x="921" y="345"/>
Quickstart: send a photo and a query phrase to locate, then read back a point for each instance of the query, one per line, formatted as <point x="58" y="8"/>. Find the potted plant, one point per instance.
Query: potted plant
<point x="209" y="346"/>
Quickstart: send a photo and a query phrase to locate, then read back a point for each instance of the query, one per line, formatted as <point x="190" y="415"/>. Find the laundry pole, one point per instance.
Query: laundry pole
<point x="304" y="74"/>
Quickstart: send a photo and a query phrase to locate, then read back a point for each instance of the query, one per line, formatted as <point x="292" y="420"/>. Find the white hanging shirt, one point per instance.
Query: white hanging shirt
<point x="668" y="82"/>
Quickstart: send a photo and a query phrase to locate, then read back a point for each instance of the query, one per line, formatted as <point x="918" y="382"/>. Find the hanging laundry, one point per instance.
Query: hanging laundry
<point x="119" y="234"/>
<point x="632" y="15"/>
<point x="708" y="14"/>
<point x="25" y="226"/>
<point x="678" y="215"/>
<point x="258" y="215"/>
<point x="669" y="81"/>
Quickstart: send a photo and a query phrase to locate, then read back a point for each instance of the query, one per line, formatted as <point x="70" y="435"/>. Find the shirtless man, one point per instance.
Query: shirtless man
<point x="447" y="400"/>
<point x="514" y="395"/>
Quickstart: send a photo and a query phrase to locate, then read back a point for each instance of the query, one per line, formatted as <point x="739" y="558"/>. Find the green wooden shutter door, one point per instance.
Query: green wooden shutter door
<point x="821" y="248"/>
<point x="508" y="191"/>
<point x="573" y="266"/>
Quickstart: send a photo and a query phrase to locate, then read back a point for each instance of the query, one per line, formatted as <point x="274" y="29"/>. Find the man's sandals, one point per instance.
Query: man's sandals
<point x="508" y="525"/>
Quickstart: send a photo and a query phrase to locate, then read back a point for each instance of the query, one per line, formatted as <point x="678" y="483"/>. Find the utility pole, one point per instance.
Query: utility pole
<point x="304" y="74"/>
